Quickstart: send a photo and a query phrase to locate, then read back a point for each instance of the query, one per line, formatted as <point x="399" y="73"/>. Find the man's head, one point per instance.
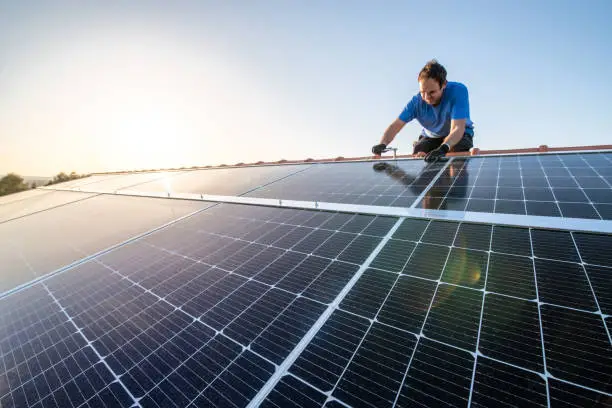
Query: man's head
<point x="432" y="81"/>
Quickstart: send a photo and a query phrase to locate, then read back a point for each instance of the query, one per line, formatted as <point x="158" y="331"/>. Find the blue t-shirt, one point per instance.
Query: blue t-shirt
<point x="436" y="120"/>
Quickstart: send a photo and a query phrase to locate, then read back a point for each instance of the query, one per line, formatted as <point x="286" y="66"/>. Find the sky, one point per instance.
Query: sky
<point x="123" y="85"/>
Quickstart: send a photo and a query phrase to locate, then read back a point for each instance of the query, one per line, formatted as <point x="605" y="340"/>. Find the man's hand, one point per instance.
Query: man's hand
<point x="378" y="149"/>
<point x="437" y="154"/>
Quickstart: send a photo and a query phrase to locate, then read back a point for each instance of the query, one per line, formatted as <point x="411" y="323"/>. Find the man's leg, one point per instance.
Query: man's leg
<point x="464" y="145"/>
<point x="427" y="144"/>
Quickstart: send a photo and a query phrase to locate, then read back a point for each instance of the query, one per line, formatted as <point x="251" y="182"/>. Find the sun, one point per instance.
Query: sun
<point x="148" y="140"/>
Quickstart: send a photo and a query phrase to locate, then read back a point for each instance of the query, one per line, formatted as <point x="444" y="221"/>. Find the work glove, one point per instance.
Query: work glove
<point x="380" y="166"/>
<point x="378" y="149"/>
<point x="437" y="154"/>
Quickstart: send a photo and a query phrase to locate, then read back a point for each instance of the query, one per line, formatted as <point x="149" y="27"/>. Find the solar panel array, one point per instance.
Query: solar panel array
<point x="243" y="305"/>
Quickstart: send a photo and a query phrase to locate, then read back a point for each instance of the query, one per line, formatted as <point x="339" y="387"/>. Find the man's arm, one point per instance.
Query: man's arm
<point x="406" y="116"/>
<point x="392" y="131"/>
<point x="456" y="132"/>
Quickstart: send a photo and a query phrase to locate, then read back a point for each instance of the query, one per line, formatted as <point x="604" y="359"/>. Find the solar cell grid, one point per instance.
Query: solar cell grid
<point x="40" y="243"/>
<point x="46" y="360"/>
<point x="519" y="327"/>
<point x="391" y="183"/>
<point x="199" y="327"/>
<point x="576" y="186"/>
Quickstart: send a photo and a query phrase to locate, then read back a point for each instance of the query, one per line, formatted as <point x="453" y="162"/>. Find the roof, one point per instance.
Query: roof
<point x="473" y="152"/>
<point x="353" y="282"/>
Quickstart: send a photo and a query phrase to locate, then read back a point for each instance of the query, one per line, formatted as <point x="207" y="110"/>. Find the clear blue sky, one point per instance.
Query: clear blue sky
<point x="142" y="84"/>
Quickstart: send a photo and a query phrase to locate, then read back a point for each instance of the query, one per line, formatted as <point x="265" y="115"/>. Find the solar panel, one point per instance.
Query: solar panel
<point x="86" y="180"/>
<point x="406" y="337"/>
<point x="118" y="182"/>
<point x="578" y="186"/>
<point x="200" y="312"/>
<point x="230" y="181"/>
<point x="23" y="195"/>
<point x="251" y="305"/>
<point x="46" y="361"/>
<point x="40" y="243"/>
<point x="391" y="183"/>
<point x="38" y="202"/>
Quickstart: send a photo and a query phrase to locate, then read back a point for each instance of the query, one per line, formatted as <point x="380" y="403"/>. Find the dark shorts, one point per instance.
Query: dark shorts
<point x="427" y="144"/>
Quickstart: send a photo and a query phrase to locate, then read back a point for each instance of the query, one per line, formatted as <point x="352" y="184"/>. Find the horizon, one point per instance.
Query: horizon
<point x="141" y="85"/>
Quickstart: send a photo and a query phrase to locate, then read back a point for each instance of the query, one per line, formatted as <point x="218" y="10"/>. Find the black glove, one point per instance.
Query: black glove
<point x="380" y="166"/>
<point x="378" y="149"/>
<point x="437" y="154"/>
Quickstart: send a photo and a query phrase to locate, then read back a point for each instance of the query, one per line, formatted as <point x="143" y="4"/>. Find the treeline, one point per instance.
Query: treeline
<point x="14" y="183"/>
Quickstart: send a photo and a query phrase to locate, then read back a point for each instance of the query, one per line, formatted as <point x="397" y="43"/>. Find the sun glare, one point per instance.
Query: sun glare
<point x="149" y="140"/>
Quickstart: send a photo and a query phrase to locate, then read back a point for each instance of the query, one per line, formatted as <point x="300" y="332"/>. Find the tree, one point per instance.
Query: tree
<point x="61" y="177"/>
<point x="12" y="183"/>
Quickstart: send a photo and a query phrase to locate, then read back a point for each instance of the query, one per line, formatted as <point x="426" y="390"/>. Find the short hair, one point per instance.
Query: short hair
<point x="434" y="70"/>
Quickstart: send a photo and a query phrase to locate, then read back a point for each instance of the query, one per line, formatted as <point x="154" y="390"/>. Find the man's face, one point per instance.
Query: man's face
<point x="430" y="90"/>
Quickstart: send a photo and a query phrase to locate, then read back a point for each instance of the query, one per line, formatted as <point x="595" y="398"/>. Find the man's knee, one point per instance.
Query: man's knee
<point x="425" y="145"/>
<point x="464" y="145"/>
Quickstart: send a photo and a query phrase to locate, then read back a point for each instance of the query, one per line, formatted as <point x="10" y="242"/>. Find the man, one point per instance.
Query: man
<point x="443" y="109"/>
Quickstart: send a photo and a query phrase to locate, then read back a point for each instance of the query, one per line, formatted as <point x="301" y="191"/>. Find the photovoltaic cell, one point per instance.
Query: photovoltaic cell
<point x="454" y="316"/>
<point x="500" y="385"/>
<point x="407" y="303"/>
<point x="466" y="267"/>
<point x="350" y="375"/>
<point x="438" y="375"/>
<point x="369" y="293"/>
<point x="583" y="357"/>
<point x="427" y="261"/>
<point x="592" y="248"/>
<point x="511" y="275"/>
<point x="290" y="391"/>
<point x="554" y="245"/>
<point x="564" y="284"/>
<point x="279" y="339"/>
<point x="411" y="229"/>
<point x="566" y="395"/>
<point x="510" y="331"/>
<point x="600" y="279"/>
<point x="394" y="256"/>
<point x="238" y="384"/>
<point x="474" y="236"/>
<point x="326" y="356"/>
<point x="364" y="383"/>
<point x="440" y="232"/>
<point x="511" y="240"/>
